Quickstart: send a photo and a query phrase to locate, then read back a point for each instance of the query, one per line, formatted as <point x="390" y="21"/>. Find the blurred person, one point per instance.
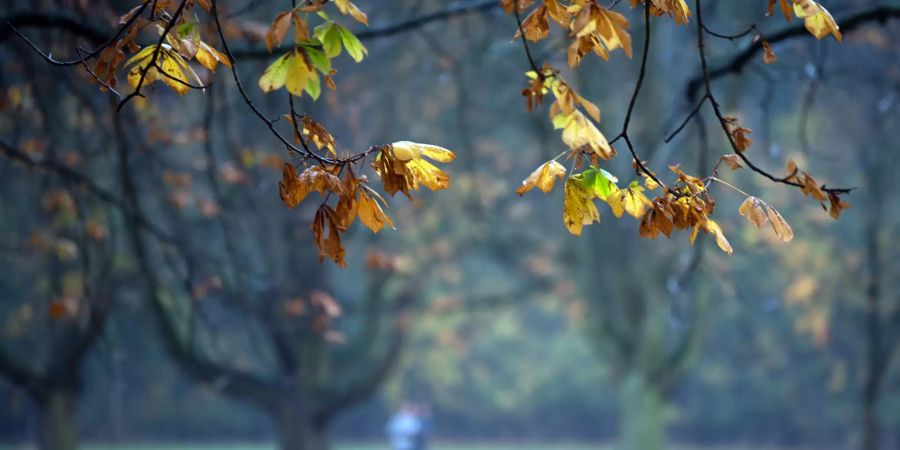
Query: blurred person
<point x="405" y="428"/>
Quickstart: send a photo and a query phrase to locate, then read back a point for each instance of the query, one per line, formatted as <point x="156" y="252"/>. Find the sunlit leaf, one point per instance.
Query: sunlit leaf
<point x="817" y="19"/>
<point x="371" y="213"/>
<point x="543" y="178"/>
<point x="781" y="227"/>
<point x="752" y="209"/>
<point x="631" y="200"/>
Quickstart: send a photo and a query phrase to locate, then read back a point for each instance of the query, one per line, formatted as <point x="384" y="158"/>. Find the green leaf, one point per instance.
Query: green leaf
<point x="599" y="181"/>
<point x="318" y="58"/>
<point x="276" y="74"/>
<point x="330" y="38"/>
<point x="354" y="47"/>
<point x="314" y="86"/>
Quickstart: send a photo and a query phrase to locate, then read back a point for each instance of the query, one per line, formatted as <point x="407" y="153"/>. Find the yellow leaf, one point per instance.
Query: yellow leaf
<point x="402" y="167"/>
<point x="176" y="73"/>
<point x="370" y="212"/>
<point x="817" y="19"/>
<point x="579" y="132"/>
<point x="543" y="178"/>
<point x="347" y="7"/>
<point x="210" y="58"/>
<point x="579" y="208"/>
<point x="631" y="200"/>
<point x="298" y="74"/>
<point x="712" y="227"/>
<point x="428" y="175"/>
<point x="406" y="150"/>
<point x="677" y="9"/>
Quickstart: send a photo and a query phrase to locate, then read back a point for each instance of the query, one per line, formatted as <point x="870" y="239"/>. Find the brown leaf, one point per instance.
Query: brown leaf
<point x="732" y="161"/>
<point x="779" y="225"/>
<point x="752" y="209"/>
<point x="837" y="205"/>
<point x="810" y="187"/>
<point x="278" y="30"/>
<point x="768" y="54"/>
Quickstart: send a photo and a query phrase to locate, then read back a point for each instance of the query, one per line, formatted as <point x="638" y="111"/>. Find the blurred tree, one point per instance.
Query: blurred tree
<point x="58" y="281"/>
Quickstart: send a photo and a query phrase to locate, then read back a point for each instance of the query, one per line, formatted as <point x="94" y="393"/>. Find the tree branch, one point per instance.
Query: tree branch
<point x="847" y="23"/>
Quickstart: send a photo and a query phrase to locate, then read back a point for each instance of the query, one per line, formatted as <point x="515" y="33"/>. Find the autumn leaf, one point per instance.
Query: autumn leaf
<point x="655" y="221"/>
<point x="837" y="205"/>
<point x="779" y="225"/>
<point x="791" y="171"/>
<point x="579" y="208"/>
<point x="294" y="188"/>
<point x="370" y="211"/>
<point x="739" y="134"/>
<point x="579" y="133"/>
<point x="752" y="209"/>
<point x="677" y="9"/>
<point x="817" y="19"/>
<point x="558" y="12"/>
<point x="278" y="30"/>
<point x="406" y="151"/>
<point x="403" y="166"/>
<point x="785" y="8"/>
<point x="768" y="54"/>
<point x="536" y="25"/>
<point x="732" y="161"/>
<point x="328" y="243"/>
<point x="713" y="228"/>
<point x="318" y="134"/>
<point x="511" y="5"/>
<point x="599" y="30"/>
<point x="631" y="200"/>
<point x="543" y="178"/>
<point x="210" y="58"/>
<point x="175" y="71"/>
<point x="692" y="183"/>
<point x="811" y="187"/>
<point x="347" y="207"/>
<point x="348" y="8"/>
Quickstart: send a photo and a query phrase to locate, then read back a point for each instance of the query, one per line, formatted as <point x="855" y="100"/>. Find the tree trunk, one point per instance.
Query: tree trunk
<point x="642" y="415"/>
<point x="870" y="425"/>
<point x="298" y="431"/>
<point x="58" y="422"/>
